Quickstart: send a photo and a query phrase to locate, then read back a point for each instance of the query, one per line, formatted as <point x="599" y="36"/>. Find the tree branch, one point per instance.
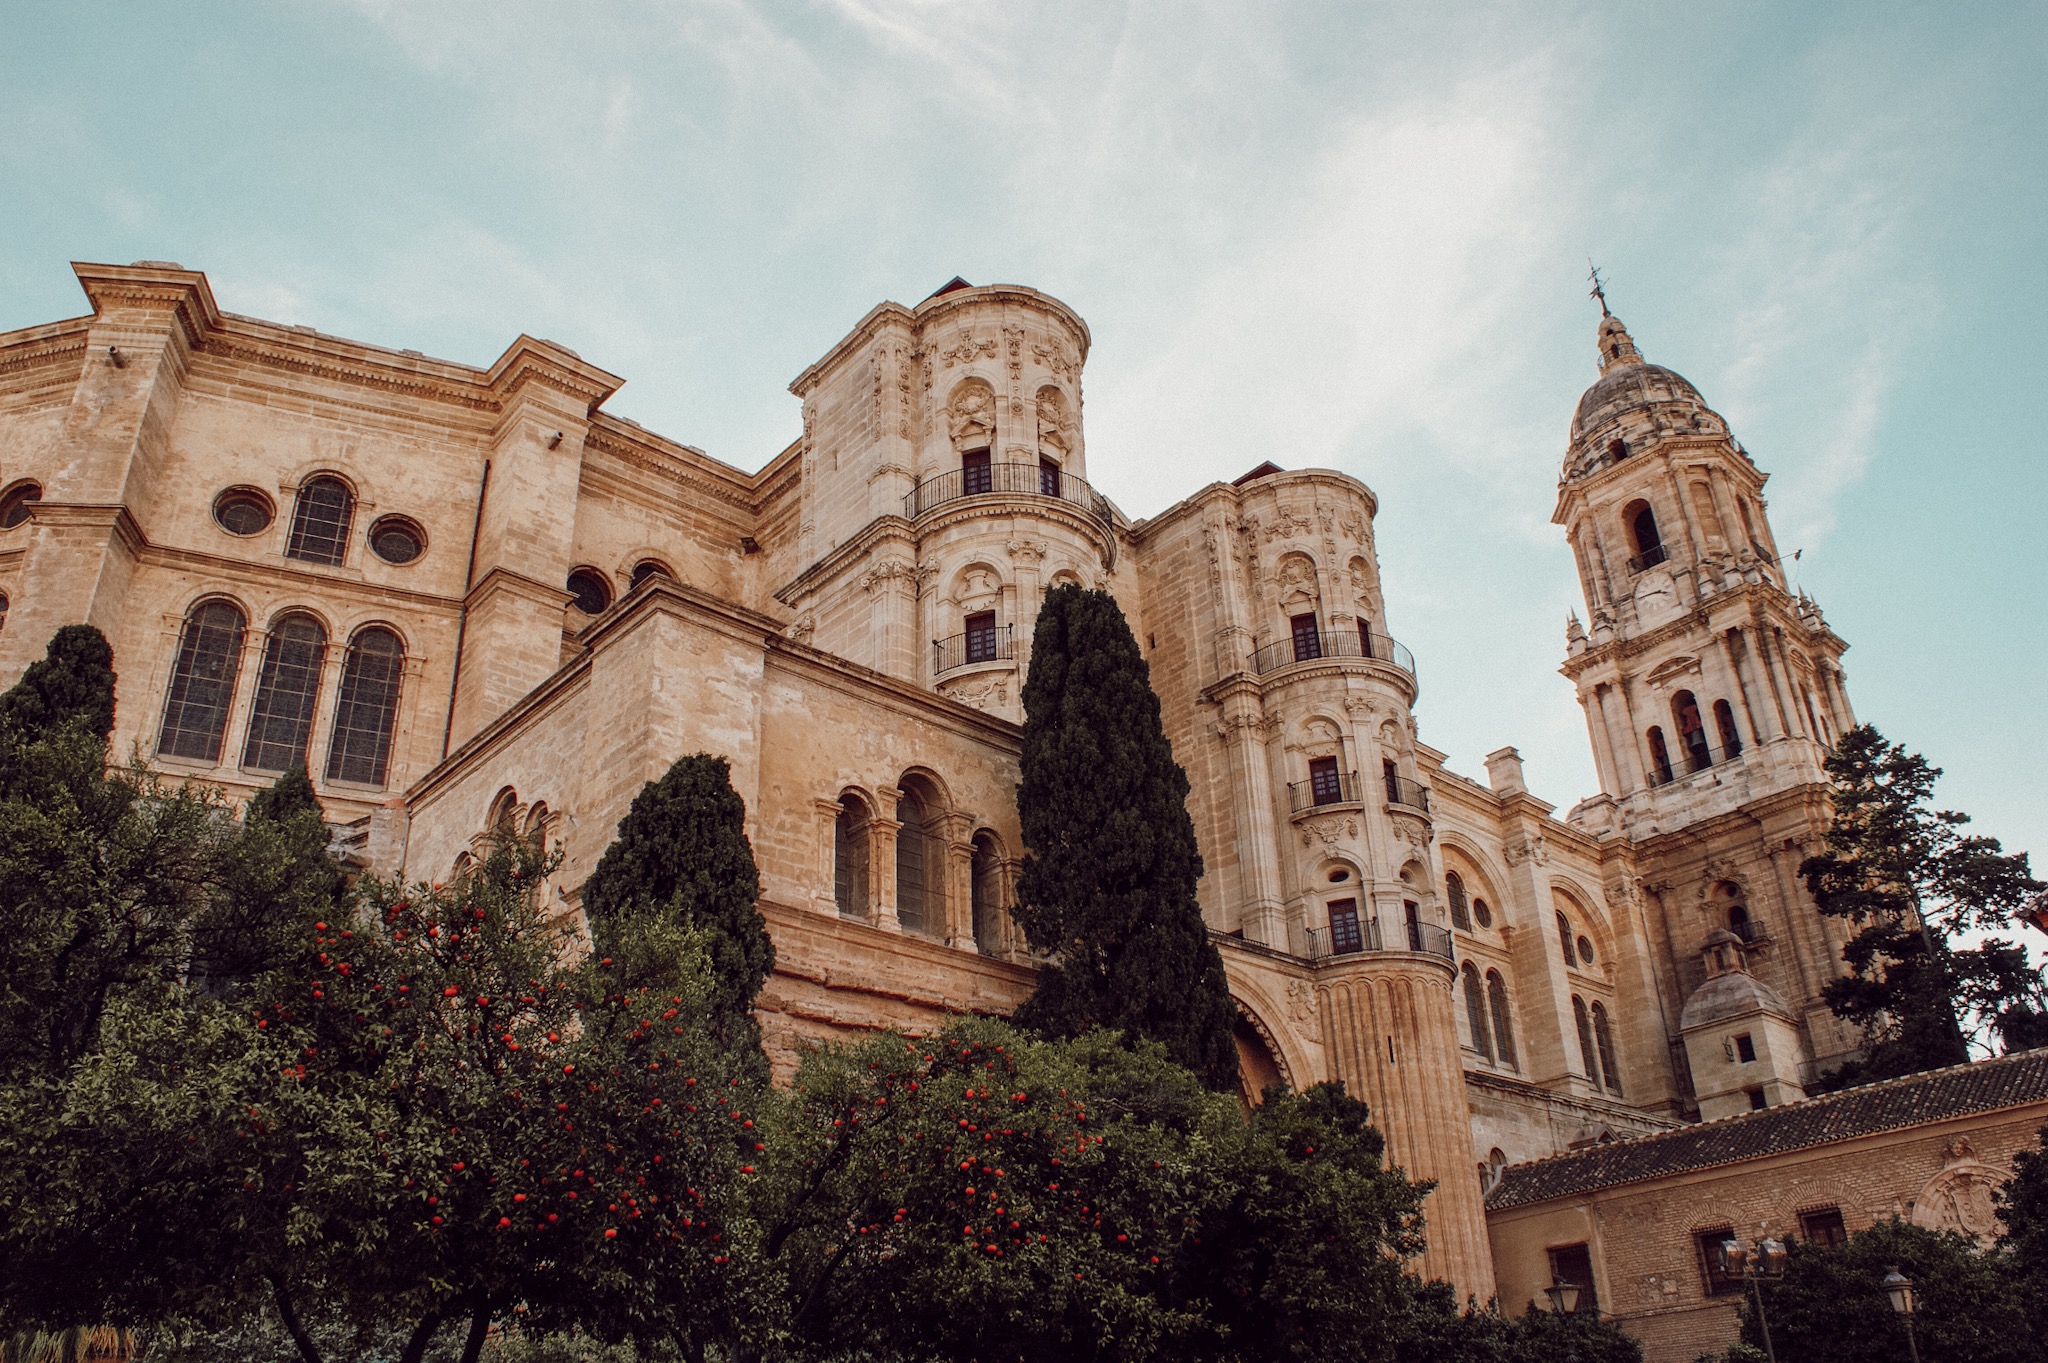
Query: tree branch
<point x="290" y="1316"/>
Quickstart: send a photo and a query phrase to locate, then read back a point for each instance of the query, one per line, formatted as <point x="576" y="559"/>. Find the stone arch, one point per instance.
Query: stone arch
<point x="971" y="416"/>
<point x="1254" y="1008"/>
<point x="1481" y="871"/>
<point x="1320" y="735"/>
<point x="502" y="814"/>
<point x="1572" y="900"/>
<point x="1721" y="894"/>
<point x="921" y="852"/>
<point x="1063" y="576"/>
<point x="978" y="584"/>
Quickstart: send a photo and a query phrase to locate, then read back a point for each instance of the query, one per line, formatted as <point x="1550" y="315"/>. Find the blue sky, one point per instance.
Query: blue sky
<point x="1347" y="235"/>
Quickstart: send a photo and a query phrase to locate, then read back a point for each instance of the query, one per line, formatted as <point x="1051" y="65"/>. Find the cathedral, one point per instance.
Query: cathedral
<point x="471" y="599"/>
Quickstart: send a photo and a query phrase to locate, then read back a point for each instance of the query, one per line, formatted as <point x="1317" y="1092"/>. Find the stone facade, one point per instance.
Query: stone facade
<point x="472" y="598"/>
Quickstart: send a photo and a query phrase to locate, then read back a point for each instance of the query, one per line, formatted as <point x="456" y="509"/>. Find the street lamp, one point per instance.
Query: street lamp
<point x="1753" y="1262"/>
<point x="1899" y="1288"/>
<point x="1564" y="1297"/>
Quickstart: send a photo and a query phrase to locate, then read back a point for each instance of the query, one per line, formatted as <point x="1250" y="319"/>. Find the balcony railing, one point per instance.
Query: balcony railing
<point x="1648" y="559"/>
<point x="1688" y="761"/>
<point x="1407" y="793"/>
<point x="975" y="646"/>
<point x="1750" y="931"/>
<point x="1032" y="480"/>
<point x="1332" y="643"/>
<point x="1423" y="937"/>
<point x="1337" y="788"/>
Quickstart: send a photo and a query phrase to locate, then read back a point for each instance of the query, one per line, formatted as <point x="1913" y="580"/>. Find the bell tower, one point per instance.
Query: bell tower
<point x="1712" y="691"/>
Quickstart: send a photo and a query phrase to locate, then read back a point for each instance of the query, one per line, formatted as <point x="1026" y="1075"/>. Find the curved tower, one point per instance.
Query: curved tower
<point x="1712" y="691"/>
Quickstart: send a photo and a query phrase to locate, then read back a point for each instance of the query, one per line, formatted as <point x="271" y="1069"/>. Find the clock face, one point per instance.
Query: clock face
<point x="1656" y="598"/>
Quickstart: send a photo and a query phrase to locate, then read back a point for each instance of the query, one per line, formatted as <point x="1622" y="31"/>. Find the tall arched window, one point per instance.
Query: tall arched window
<point x="366" y="712"/>
<point x="850" y="857"/>
<point x="1454" y="890"/>
<point x="1692" y="730"/>
<point x="1564" y="939"/>
<point x="986" y="895"/>
<point x="914" y="868"/>
<point x="1660" y="758"/>
<point x="287" y="691"/>
<point x="320" y="521"/>
<point x="1731" y="737"/>
<point x="1603" y="1038"/>
<point x="203" y="682"/>
<point x="19" y="504"/>
<point x="1503" y="1019"/>
<point x="1642" y="530"/>
<point x="1475" y="1011"/>
<point x="1587" y="1055"/>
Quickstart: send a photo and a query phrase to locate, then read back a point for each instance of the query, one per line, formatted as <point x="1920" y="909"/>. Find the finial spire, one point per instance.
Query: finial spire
<point x="1599" y="289"/>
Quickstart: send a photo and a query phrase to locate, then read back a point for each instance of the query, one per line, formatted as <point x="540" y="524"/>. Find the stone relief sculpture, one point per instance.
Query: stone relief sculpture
<point x="1055" y="426"/>
<point x="971" y="416"/>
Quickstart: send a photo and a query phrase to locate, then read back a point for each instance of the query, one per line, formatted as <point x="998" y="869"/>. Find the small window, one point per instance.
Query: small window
<point x="1454" y="891"/>
<point x="1585" y="946"/>
<point x="1724" y="722"/>
<point x="1660" y="758"/>
<point x="203" y="683"/>
<point x="985" y="895"/>
<point x="320" y="521"/>
<point x="1574" y="1264"/>
<point x="1346" y="937"/>
<point x="242" y="511"/>
<point x="1745" y="1049"/>
<point x="503" y="812"/>
<point x="1757" y="1101"/>
<point x="1643" y="525"/>
<point x="1481" y="914"/>
<point x="287" y="692"/>
<point x="397" y="540"/>
<point x="590" y="592"/>
<point x="977" y="475"/>
<point x="1603" y="1040"/>
<point x="1617" y="449"/>
<point x="649" y="567"/>
<point x="1308" y="641"/>
<point x="981" y="637"/>
<point x="916" y="894"/>
<point x="1720" y="1282"/>
<point x="1503" y="1017"/>
<point x="1564" y="939"/>
<point x="1048" y="477"/>
<point x="15" y="506"/>
<point x="1391" y="774"/>
<point x="850" y="857"/>
<point x="1823" y="1226"/>
<point x="1339" y="876"/>
<point x="1325" y="785"/>
<point x="1475" y="1011"/>
<point x="366" y="712"/>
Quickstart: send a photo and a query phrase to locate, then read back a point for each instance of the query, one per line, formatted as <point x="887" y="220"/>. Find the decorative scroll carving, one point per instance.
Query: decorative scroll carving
<point x="971" y="416"/>
<point x="964" y="351"/>
<point x="1327" y="829"/>
<point x="802" y="628"/>
<point x="892" y="570"/>
<point x="1026" y="551"/>
<point x="1527" y="849"/>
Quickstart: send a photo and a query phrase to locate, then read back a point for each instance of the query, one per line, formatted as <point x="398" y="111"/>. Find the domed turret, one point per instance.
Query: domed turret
<point x="1741" y="1038"/>
<point x="1632" y="401"/>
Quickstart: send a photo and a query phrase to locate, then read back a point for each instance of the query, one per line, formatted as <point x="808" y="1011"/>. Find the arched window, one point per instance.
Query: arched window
<point x="1692" y="731"/>
<point x="591" y="593"/>
<point x="1587" y="1054"/>
<point x="1564" y="939"/>
<point x="3" y="610"/>
<point x="320" y="521"/>
<point x="1660" y="758"/>
<point x="1617" y="448"/>
<point x="1503" y="1019"/>
<point x="1475" y="1011"/>
<point x="1454" y="891"/>
<point x="537" y="822"/>
<point x="18" y="503"/>
<point x="850" y="857"/>
<point x="287" y="692"/>
<point x="647" y="568"/>
<point x="1642" y="529"/>
<point x="504" y="809"/>
<point x="366" y="712"/>
<point x="1603" y="1037"/>
<point x="914" y="865"/>
<point x="203" y="682"/>
<point x="1731" y="737"/>
<point x="986" y="894"/>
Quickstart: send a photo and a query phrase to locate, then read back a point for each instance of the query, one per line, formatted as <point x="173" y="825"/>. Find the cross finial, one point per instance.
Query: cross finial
<point x="1599" y="290"/>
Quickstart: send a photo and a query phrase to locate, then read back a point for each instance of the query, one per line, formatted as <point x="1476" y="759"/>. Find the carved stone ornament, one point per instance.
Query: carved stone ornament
<point x="1290" y="523"/>
<point x="1959" y="1199"/>
<point x="1360" y="708"/>
<point x="1055" y="357"/>
<point x="803" y="627"/>
<point x="1301" y="1006"/>
<point x="1327" y="830"/>
<point x="1675" y="667"/>
<point x="1026" y="551"/>
<point x="971" y="416"/>
<point x="1055" y="427"/>
<point x="964" y="351"/>
<point x="885" y="573"/>
<point x="1527" y="849"/>
<point x="986" y="693"/>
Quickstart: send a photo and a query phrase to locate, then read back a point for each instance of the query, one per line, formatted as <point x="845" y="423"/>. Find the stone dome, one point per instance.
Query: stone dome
<point x="1629" y="386"/>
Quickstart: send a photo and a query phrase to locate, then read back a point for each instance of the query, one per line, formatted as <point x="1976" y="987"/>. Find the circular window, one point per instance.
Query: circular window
<point x="1585" y="950"/>
<point x="591" y="591"/>
<point x="242" y="511"/>
<point x="14" y="506"/>
<point x="1339" y="877"/>
<point x="397" y="540"/>
<point x="1481" y="913"/>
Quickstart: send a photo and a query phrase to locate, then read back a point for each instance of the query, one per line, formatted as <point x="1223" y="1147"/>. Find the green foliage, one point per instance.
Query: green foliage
<point x="984" y="1194"/>
<point x="72" y="684"/>
<point x="1435" y="1332"/>
<point x="681" y="861"/>
<point x="2023" y="1208"/>
<point x="1910" y="881"/>
<point x="1108" y="886"/>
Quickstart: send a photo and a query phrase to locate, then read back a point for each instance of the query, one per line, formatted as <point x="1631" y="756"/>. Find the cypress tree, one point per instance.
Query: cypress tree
<point x="682" y="856"/>
<point x="73" y="682"/>
<point x="1109" y="883"/>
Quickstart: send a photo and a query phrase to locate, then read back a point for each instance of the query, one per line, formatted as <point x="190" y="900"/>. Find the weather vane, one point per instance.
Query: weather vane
<point x="1599" y="289"/>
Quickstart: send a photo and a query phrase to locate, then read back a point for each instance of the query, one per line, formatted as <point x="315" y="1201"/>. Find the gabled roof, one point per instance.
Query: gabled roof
<point x="1895" y="1104"/>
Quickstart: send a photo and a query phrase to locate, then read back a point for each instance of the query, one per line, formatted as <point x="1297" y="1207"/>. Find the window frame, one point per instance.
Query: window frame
<point x="227" y="681"/>
<point x="350" y="705"/>
<point x="299" y="544"/>
<point x="269" y="669"/>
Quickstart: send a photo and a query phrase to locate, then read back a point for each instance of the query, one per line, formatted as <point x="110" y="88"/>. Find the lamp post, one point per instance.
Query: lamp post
<point x="1753" y="1262"/>
<point x="1564" y="1301"/>
<point x="1899" y="1288"/>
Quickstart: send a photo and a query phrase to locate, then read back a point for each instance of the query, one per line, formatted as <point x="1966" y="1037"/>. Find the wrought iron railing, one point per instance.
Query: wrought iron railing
<point x="975" y="646"/>
<point x="1332" y="643"/>
<point x="1427" y="938"/>
<point x="1407" y="793"/>
<point x="1337" y="788"/>
<point x="1008" y="480"/>
<point x="1689" y="761"/>
<point x="1648" y="559"/>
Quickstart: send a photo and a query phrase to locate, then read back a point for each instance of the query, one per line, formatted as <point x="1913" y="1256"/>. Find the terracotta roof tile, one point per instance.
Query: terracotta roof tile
<point x="1894" y="1104"/>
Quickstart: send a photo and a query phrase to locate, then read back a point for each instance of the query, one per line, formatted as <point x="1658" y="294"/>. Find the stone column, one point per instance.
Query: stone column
<point x="892" y="588"/>
<point x="1743" y="685"/>
<point x="824" y="896"/>
<point x="1025" y="557"/>
<point x="959" y="881"/>
<point x="882" y="833"/>
<point x="1264" y="917"/>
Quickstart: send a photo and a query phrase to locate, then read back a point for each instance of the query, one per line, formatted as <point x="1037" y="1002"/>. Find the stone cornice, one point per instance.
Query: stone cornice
<point x="41" y="347"/>
<point x="1762" y="598"/>
<point x="883" y="316"/>
<point x="683" y="465"/>
<point x="1235" y="497"/>
<point x="532" y="360"/>
<point x="153" y="287"/>
<point x="881" y="530"/>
